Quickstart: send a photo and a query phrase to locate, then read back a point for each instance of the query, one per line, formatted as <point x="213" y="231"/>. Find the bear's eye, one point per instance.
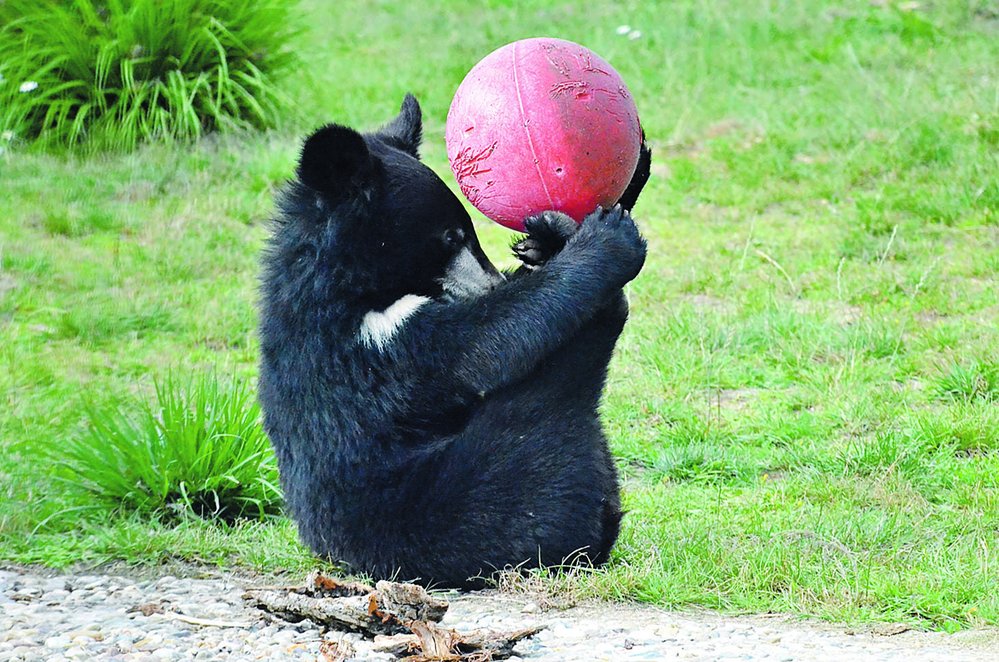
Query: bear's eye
<point x="454" y="237"/>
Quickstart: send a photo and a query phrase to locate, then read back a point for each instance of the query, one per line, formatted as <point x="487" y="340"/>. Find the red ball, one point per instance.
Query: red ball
<point x="542" y="124"/>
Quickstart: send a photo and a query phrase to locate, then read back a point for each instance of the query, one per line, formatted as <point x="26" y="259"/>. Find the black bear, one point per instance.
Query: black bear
<point x="434" y="419"/>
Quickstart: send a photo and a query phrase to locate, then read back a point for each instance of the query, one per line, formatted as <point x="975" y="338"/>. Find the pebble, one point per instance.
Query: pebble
<point x="93" y="617"/>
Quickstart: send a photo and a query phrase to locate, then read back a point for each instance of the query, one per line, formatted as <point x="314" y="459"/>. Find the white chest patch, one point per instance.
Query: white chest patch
<point x="378" y="327"/>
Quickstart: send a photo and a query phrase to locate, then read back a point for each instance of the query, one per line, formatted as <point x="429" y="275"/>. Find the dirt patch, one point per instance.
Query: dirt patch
<point x="707" y="302"/>
<point x="736" y="399"/>
<point x="7" y="284"/>
<point x="835" y="311"/>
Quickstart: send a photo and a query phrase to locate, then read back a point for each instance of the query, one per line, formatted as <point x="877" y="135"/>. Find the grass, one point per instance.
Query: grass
<point x="200" y="451"/>
<point x="112" y="74"/>
<point x="804" y="404"/>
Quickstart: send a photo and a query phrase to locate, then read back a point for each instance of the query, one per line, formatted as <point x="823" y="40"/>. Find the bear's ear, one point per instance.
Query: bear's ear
<point x="336" y="162"/>
<point x="405" y="132"/>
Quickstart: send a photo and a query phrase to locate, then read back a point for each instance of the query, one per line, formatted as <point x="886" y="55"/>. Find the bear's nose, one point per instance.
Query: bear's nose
<point x="471" y="274"/>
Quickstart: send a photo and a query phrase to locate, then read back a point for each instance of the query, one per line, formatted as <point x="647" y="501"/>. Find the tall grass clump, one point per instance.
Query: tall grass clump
<point x="200" y="449"/>
<point x="112" y="73"/>
<point x="978" y="381"/>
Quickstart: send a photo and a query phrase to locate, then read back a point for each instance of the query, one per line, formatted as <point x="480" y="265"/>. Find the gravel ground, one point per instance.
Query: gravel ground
<point x="103" y="617"/>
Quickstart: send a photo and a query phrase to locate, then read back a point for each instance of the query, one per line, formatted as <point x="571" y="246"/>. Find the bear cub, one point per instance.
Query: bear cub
<point x="436" y="420"/>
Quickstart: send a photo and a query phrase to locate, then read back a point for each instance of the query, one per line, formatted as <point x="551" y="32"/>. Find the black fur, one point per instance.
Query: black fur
<point x="639" y="177"/>
<point x="406" y="131"/>
<point x="469" y="441"/>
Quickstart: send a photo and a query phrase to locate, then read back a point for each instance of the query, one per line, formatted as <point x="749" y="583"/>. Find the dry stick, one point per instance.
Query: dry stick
<point x="779" y="268"/>
<point x="891" y="240"/>
<point x="205" y="621"/>
<point x="745" y="248"/>
<point x="839" y="279"/>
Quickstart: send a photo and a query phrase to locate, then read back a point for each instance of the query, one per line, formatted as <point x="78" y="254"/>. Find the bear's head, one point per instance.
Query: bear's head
<point x="382" y="221"/>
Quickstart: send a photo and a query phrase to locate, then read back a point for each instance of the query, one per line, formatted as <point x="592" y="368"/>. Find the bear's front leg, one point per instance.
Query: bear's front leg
<point x="548" y="233"/>
<point x="575" y="371"/>
<point x="499" y="338"/>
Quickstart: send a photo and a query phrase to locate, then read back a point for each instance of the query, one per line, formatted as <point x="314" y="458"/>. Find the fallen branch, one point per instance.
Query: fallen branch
<point x="385" y="609"/>
<point x="350" y="613"/>
<point x="433" y="642"/>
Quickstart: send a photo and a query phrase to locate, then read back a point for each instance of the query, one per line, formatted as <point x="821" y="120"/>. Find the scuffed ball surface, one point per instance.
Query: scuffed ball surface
<point x="542" y="124"/>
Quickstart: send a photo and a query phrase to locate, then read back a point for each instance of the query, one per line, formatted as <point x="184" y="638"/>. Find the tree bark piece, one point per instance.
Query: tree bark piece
<point x="409" y="602"/>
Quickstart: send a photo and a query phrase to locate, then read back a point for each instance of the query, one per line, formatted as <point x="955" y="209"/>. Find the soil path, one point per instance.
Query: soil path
<point x="109" y="617"/>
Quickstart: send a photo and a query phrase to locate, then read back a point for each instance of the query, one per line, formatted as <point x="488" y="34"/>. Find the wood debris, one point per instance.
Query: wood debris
<point x="205" y="622"/>
<point x="430" y="642"/>
<point x="336" y="651"/>
<point x="402" y="618"/>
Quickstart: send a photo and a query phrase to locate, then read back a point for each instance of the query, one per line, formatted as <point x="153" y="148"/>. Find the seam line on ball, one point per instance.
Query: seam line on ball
<point x="527" y="129"/>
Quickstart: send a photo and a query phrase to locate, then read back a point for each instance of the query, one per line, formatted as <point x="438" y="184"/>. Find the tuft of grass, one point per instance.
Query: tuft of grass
<point x="115" y="73"/>
<point x="702" y="463"/>
<point x="68" y="223"/>
<point x="201" y="449"/>
<point x="98" y="320"/>
<point x="967" y="429"/>
<point x="977" y="381"/>
<point x="886" y="452"/>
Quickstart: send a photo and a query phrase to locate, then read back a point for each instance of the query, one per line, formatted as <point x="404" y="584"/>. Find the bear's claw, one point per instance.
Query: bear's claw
<point x="530" y="251"/>
<point x="547" y="234"/>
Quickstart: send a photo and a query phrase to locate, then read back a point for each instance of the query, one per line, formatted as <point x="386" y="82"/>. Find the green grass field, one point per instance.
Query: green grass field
<point x="805" y="405"/>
